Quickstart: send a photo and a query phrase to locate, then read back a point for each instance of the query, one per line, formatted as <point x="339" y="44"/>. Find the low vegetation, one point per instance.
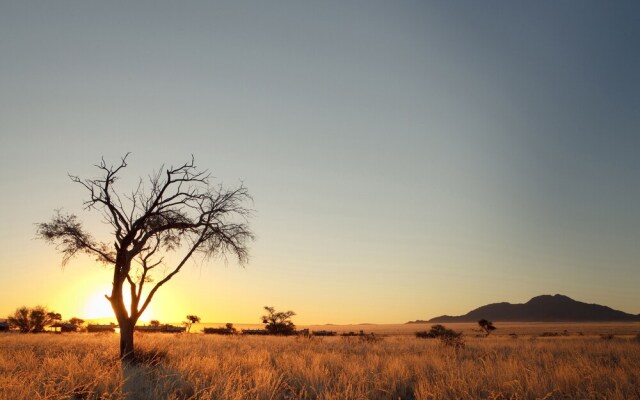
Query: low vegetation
<point x="486" y="326"/>
<point x="181" y="366"/>
<point x="228" y="329"/>
<point x="447" y="337"/>
<point x="37" y="319"/>
<point x="278" y="322"/>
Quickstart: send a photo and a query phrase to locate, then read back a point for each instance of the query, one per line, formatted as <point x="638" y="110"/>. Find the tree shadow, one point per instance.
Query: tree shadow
<point x="149" y="377"/>
<point x="138" y="384"/>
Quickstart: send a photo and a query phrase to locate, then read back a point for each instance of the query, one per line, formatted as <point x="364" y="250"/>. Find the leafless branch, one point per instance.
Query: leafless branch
<point x="179" y="212"/>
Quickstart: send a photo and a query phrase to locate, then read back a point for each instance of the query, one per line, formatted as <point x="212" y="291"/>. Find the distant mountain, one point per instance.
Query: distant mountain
<point x="545" y="308"/>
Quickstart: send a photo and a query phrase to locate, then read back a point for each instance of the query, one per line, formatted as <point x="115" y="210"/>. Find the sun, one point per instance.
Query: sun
<point x="98" y="307"/>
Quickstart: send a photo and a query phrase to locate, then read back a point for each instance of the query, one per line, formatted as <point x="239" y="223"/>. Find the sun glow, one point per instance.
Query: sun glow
<point x="98" y="307"/>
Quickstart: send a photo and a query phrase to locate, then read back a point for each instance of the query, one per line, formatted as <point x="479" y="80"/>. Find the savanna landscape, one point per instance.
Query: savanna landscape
<point x="447" y="193"/>
<point x="517" y="361"/>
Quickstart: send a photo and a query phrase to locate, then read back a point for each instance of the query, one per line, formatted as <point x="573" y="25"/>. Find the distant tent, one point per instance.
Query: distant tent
<point x="4" y="326"/>
<point x="161" y="329"/>
<point x="62" y="327"/>
<point x="94" y="328"/>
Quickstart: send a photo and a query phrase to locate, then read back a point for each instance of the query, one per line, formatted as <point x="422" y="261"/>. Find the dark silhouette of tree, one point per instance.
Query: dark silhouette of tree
<point x="486" y="326"/>
<point x="76" y="321"/>
<point x="191" y="319"/>
<point x="278" y="322"/>
<point x="154" y="322"/>
<point x="20" y="319"/>
<point x="175" y="210"/>
<point x="33" y="320"/>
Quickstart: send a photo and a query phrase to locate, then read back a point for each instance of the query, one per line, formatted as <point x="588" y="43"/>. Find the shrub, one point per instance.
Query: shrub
<point x="278" y="322"/>
<point x="448" y="337"/>
<point x="228" y="329"/>
<point x="486" y="326"/>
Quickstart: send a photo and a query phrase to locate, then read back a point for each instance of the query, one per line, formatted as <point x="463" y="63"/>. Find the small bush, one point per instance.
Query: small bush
<point x="448" y="337"/>
<point x="486" y="326"/>
<point x="228" y="329"/>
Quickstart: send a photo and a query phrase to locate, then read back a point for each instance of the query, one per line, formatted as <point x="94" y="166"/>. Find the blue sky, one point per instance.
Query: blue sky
<point x="406" y="159"/>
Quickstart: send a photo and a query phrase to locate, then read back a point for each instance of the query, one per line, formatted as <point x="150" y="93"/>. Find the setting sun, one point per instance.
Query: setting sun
<point x="343" y="199"/>
<point x="98" y="307"/>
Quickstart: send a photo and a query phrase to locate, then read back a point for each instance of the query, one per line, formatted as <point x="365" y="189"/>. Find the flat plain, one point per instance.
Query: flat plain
<point x="519" y="361"/>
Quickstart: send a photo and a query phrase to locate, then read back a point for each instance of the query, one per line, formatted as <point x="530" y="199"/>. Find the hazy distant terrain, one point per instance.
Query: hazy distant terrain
<point x="545" y="308"/>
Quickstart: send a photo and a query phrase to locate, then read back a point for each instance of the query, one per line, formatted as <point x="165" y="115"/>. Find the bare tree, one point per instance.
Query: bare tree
<point x="175" y="210"/>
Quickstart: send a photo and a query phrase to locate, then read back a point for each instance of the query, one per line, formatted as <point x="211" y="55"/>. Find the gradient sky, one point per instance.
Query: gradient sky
<point x="407" y="159"/>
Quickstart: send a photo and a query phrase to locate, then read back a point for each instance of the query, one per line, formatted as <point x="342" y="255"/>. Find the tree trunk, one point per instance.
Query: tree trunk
<point x="126" y="341"/>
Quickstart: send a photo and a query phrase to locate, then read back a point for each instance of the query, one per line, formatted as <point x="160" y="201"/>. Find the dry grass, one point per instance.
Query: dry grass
<point x="84" y="366"/>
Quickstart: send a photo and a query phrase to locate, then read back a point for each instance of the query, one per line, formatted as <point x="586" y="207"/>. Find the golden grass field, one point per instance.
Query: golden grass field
<point x="398" y="366"/>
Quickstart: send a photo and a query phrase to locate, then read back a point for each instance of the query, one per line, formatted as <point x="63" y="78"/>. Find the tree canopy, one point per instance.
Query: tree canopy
<point x="278" y="322"/>
<point x="33" y="320"/>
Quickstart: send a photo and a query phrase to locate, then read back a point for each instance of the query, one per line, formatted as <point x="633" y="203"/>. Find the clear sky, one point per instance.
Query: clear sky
<point x="407" y="159"/>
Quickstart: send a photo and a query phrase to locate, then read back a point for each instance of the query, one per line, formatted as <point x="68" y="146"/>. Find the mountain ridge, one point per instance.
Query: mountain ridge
<point x="543" y="308"/>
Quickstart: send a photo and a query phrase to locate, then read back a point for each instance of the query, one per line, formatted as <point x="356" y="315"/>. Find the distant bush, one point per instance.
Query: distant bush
<point x="554" y="334"/>
<point x="362" y="336"/>
<point x="448" y="337"/>
<point x="319" y="333"/>
<point x="228" y="329"/>
<point x="486" y="326"/>
<point x="349" y="334"/>
<point x="278" y="322"/>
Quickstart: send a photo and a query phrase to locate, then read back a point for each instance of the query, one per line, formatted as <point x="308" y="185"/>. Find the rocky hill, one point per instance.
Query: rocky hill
<point x="545" y="308"/>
